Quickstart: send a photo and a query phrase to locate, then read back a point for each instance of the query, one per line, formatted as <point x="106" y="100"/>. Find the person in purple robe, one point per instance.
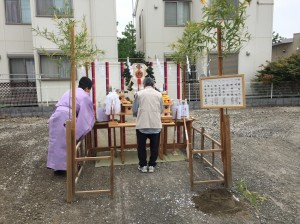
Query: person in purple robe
<point x="57" y="131"/>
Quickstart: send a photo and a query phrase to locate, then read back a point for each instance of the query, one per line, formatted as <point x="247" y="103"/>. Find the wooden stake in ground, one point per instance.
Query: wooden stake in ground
<point x="71" y="143"/>
<point x="175" y="128"/>
<point x="187" y="139"/>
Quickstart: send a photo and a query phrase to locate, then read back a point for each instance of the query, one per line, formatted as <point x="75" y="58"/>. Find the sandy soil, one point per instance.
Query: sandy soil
<point x="265" y="152"/>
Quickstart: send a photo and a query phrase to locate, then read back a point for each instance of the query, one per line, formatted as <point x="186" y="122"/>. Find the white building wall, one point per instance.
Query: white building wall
<point x="100" y="18"/>
<point x="157" y="37"/>
<point x="101" y="23"/>
<point x="260" y="23"/>
<point x="14" y="40"/>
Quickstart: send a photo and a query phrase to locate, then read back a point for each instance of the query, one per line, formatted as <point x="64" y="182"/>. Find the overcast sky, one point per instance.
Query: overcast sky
<point x="286" y="20"/>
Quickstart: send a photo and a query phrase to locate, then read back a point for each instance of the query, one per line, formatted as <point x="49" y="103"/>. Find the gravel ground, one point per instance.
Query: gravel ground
<point x="265" y="153"/>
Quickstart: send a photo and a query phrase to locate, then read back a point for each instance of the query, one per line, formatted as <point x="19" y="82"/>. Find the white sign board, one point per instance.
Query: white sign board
<point x="222" y="92"/>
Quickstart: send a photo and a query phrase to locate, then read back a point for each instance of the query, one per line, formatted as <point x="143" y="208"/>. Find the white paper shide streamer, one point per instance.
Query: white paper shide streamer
<point x="188" y="65"/>
<point x="129" y="66"/>
<point x="159" y="66"/>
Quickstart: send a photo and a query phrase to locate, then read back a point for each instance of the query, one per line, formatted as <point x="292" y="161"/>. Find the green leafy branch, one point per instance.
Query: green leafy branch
<point x="253" y="197"/>
<point x="199" y="38"/>
<point x="282" y="70"/>
<point x="85" y="50"/>
<point x="232" y="21"/>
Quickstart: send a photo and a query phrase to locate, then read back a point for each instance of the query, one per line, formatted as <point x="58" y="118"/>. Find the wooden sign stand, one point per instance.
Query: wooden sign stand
<point x="214" y="94"/>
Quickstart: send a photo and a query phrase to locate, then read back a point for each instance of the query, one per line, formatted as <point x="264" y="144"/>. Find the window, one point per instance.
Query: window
<point x="231" y="5"/>
<point x="17" y="12"/>
<point x="177" y="13"/>
<point x="48" y="8"/>
<point x="56" y="67"/>
<point x="22" y="69"/>
<point x="233" y="2"/>
<point x="230" y="64"/>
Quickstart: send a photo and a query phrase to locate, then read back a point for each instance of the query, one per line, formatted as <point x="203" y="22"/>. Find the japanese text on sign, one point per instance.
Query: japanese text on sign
<point x="222" y="91"/>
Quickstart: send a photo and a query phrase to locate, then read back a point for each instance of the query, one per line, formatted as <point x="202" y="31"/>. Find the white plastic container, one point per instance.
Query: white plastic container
<point x="100" y="113"/>
<point x="184" y="109"/>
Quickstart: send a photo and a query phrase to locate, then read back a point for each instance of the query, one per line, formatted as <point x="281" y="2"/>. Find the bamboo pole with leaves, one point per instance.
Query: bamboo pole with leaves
<point x="79" y="48"/>
<point x="85" y="50"/>
<point x="73" y="84"/>
<point x="200" y="38"/>
<point x="223" y="28"/>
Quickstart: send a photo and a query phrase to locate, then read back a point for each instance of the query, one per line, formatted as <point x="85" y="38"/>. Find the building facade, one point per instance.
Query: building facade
<point x="161" y="22"/>
<point x="21" y="58"/>
<point x="286" y="47"/>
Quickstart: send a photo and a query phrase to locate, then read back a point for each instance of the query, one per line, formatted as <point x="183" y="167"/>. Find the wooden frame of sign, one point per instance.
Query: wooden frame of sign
<point x="227" y="91"/>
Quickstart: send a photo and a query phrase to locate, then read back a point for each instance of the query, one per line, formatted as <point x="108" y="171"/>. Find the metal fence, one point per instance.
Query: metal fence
<point x="35" y="91"/>
<point x="252" y="90"/>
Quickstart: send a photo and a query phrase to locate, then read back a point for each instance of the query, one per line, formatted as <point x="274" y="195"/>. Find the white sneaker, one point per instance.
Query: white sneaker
<point x="151" y="169"/>
<point x="143" y="169"/>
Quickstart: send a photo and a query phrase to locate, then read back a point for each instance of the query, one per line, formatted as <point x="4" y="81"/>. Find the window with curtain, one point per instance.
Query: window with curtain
<point x="48" y="8"/>
<point x="22" y="69"/>
<point x="17" y="12"/>
<point x="177" y="13"/>
<point x="56" y="67"/>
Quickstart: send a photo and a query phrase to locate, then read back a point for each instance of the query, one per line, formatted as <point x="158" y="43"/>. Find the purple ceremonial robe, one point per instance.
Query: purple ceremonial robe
<point x="57" y="131"/>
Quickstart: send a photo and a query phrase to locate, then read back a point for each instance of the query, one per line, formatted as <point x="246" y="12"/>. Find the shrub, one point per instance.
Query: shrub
<point x="285" y="69"/>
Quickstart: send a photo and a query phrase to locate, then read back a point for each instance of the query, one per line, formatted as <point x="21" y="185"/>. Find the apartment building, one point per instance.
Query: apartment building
<point x="161" y="22"/>
<point x="23" y="64"/>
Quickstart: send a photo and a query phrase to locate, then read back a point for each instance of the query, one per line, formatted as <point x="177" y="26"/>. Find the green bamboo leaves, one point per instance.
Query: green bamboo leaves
<point x="85" y="50"/>
<point x="200" y="38"/>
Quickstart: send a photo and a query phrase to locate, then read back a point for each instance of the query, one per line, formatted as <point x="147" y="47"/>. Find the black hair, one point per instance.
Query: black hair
<point x="85" y="82"/>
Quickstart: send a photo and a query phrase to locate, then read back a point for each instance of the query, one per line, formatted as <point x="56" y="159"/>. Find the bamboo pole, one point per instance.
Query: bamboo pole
<point x="87" y="69"/>
<point x="73" y="126"/>
<point x="70" y="183"/>
<point x="220" y="73"/>
<point x="228" y="177"/>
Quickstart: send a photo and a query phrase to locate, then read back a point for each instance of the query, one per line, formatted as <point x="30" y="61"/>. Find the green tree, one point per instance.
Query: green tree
<point x="200" y="38"/>
<point x="127" y="48"/>
<point x="126" y="44"/>
<point x="85" y="50"/>
<point x="192" y="43"/>
<point x="285" y="69"/>
<point x="276" y="38"/>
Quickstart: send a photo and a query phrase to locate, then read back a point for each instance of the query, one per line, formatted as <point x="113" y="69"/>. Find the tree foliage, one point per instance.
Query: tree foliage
<point x="285" y="69"/>
<point x="85" y="50"/>
<point x="276" y="38"/>
<point x="127" y="49"/>
<point x="192" y="43"/>
<point x="126" y="44"/>
<point x="200" y="38"/>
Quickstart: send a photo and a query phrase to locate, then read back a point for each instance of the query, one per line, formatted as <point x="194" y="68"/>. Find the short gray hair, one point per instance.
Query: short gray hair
<point x="149" y="82"/>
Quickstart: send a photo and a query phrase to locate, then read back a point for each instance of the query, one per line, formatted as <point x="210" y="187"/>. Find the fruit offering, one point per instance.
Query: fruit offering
<point x="123" y="99"/>
<point x="165" y="97"/>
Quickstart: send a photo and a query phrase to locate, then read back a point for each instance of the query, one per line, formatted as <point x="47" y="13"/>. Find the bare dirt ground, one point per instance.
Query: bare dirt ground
<point x="265" y="152"/>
